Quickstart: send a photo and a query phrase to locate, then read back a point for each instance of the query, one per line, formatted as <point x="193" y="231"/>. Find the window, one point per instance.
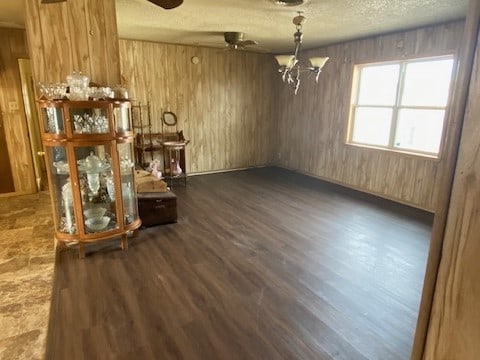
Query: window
<point x="401" y="105"/>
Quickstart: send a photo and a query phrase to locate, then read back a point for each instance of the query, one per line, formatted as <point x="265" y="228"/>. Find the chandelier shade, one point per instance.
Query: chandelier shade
<point x="286" y="60"/>
<point x="318" y="62"/>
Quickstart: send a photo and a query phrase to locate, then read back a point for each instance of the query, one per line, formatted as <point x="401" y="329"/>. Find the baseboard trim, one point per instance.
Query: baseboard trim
<point x="416" y="206"/>
<point x="226" y="170"/>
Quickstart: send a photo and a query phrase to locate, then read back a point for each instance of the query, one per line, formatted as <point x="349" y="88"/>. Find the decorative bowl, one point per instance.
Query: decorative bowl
<point x="61" y="166"/>
<point x="96" y="212"/>
<point x="98" y="93"/>
<point x="97" y="223"/>
<point x="53" y="91"/>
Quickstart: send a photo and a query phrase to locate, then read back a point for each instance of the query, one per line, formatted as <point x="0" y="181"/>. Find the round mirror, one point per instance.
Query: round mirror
<point x="169" y="118"/>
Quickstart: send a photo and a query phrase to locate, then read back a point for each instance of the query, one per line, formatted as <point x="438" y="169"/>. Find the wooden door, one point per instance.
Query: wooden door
<point x="6" y="178"/>
<point x="28" y="92"/>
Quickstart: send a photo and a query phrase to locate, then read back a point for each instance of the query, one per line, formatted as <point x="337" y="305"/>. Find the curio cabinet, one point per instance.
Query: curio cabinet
<point x="90" y="165"/>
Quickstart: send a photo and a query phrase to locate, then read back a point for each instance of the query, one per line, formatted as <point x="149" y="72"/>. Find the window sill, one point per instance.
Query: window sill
<point x="395" y="152"/>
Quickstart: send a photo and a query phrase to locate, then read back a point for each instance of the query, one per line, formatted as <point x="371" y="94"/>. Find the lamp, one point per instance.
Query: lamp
<point x="290" y="66"/>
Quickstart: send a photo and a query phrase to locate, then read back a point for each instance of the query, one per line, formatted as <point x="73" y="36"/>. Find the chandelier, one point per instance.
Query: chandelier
<point x="290" y="66"/>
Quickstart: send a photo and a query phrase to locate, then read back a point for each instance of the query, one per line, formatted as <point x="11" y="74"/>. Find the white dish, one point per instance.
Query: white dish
<point x="98" y="223"/>
<point x="96" y="212"/>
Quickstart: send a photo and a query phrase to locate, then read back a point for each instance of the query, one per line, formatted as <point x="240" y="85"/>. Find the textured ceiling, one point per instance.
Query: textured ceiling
<point x="202" y="22"/>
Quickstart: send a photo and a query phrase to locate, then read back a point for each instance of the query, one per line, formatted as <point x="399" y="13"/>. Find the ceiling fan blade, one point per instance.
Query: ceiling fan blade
<point x="167" y="4"/>
<point x="52" y="1"/>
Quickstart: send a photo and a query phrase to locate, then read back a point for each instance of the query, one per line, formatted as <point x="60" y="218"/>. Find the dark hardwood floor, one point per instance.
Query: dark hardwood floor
<point x="262" y="264"/>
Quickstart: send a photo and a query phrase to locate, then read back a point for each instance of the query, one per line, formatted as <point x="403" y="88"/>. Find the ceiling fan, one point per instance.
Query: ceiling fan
<point x="166" y="4"/>
<point x="234" y="40"/>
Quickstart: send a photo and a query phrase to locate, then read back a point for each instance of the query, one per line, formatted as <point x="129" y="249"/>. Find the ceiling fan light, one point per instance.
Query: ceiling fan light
<point x="289" y="2"/>
<point x="286" y="60"/>
<point x="318" y="62"/>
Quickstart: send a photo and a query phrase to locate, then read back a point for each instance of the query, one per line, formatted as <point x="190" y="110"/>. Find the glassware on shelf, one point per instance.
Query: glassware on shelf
<point x="61" y="166"/>
<point x="93" y="180"/>
<point x="94" y="212"/>
<point x="126" y="165"/>
<point x="53" y="91"/>
<point x="53" y="120"/>
<point x="78" y="86"/>
<point x="121" y="115"/>
<point x="59" y="153"/>
<point x="93" y="165"/>
<point x="96" y="218"/>
<point x="60" y="163"/>
<point x="128" y="201"/>
<point x="97" y="223"/>
<point x="67" y="198"/>
<point x="110" y="187"/>
<point x="120" y="92"/>
<point x="96" y="123"/>
<point x="100" y="93"/>
<point x="92" y="162"/>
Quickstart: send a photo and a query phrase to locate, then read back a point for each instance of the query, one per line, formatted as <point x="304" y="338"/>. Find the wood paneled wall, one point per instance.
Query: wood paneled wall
<point x="311" y="127"/>
<point x="13" y="118"/>
<point x="77" y="35"/>
<point x="454" y="330"/>
<point x="224" y="103"/>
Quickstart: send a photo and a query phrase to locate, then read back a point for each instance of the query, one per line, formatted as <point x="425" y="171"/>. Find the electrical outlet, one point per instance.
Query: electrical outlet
<point x="12" y="106"/>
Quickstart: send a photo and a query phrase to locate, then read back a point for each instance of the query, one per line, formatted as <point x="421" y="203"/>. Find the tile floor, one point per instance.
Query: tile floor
<point x="27" y="257"/>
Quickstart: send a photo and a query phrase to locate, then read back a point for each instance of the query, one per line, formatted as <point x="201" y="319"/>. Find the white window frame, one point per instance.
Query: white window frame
<point x="397" y="106"/>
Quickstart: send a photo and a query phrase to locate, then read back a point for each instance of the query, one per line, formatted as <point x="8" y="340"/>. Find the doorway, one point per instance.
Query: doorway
<point x="36" y="147"/>
<point x="6" y="179"/>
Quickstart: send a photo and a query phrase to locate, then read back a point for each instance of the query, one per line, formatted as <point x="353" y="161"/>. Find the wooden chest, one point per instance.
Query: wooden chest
<point x="157" y="208"/>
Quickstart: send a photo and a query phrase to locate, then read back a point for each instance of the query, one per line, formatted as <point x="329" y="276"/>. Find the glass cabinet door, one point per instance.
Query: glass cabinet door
<point x="62" y="189"/>
<point x="97" y="187"/>
<point x="53" y="120"/>
<point x="89" y="120"/>
<point x="122" y="117"/>
<point x="130" y="208"/>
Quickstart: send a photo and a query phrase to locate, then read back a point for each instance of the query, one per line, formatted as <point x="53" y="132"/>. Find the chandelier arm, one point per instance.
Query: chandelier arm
<point x="296" y="83"/>
<point x="304" y="69"/>
<point x="289" y="78"/>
